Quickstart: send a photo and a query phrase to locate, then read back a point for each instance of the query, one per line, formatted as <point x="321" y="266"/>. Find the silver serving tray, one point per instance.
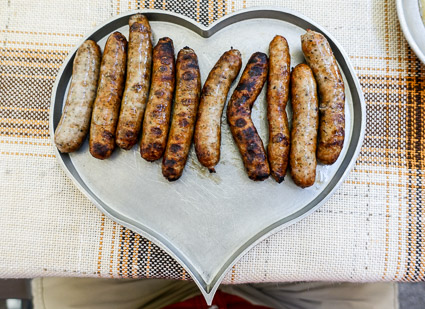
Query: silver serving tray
<point x="411" y="23"/>
<point x="207" y="222"/>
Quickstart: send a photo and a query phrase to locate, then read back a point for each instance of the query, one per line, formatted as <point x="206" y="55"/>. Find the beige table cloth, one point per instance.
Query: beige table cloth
<point x="370" y="230"/>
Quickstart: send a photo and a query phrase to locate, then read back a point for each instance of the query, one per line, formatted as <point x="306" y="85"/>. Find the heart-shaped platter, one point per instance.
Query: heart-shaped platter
<point x="208" y="221"/>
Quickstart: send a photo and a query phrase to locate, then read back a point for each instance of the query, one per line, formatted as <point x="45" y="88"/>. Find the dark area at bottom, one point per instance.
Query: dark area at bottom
<point x="411" y="295"/>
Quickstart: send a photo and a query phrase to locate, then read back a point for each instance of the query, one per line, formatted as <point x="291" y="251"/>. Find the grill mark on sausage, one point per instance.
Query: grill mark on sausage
<point x="158" y="109"/>
<point x="188" y="88"/>
<point x="239" y="117"/>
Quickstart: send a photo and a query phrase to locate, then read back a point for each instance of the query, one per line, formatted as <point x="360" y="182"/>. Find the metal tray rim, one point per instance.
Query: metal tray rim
<point x="410" y="37"/>
<point x="209" y="289"/>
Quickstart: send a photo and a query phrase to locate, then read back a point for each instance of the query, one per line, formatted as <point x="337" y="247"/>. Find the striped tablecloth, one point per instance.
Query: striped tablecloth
<point x="370" y="230"/>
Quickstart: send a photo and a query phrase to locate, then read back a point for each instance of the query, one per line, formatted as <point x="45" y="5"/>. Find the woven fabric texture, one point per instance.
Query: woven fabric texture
<point x="370" y="230"/>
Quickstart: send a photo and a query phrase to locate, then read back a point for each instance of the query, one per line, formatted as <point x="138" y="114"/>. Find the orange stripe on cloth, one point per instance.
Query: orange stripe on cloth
<point x="100" y="249"/>
<point x="111" y="256"/>
<point x="42" y="33"/>
<point x="27" y="154"/>
<point x="7" y="42"/>
<point x="25" y="143"/>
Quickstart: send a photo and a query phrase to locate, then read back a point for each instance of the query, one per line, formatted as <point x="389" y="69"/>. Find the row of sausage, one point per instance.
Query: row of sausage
<point x="132" y="86"/>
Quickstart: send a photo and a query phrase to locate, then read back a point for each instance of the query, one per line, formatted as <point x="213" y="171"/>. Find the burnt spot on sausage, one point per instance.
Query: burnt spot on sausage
<point x="240" y="101"/>
<point x="137" y="87"/>
<point x="248" y="86"/>
<point x="240" y="123"/>
<point x="191" y="65"/>
<point x="256" y="70"/>
<point x="333" y="143"/>
<point x="280" y="138"/>
<point x="169" y="164"/>
<point x="252" y="152"/>
<point x="166" y="77"/>
<point x="121" y="38"/>
<point x="156" y="131"/>
<point x="258" y="58"/>
<point x="259" y="176"/>
<point x="175" y="148"/>
<point x="162" y="69"/>
<point x="188" y="76"/>
<point x="157" y="146"/>
<point x="278" y="178"/>
<point x="160" y="107"/>
<point x="239" y="137"/>
<point x="206" y="90"/>
<point x="165" y="60"/>
<point x="242" y="111"/>
<point x="187" y="102"/>
<point x="166" y="45"/>
<point x="129" y="134"/>
<point x="171" y="174"/>
<point x="183" y="123"/>
<point x="189" y="56"/>
<point x="100" y="150"/>
<point x="107" y="136"/>
<point x="138" y="27"/>
<point x="159" y="93"/>
<point x="249" y="133"/>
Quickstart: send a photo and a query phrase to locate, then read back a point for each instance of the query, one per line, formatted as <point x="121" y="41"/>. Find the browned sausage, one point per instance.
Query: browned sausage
<point x="321" y="59"/>
<point x="214" y="94"/>
<point x="74" y="124"/>
<point x="108" y="99"/>
<point x="305" y="122"/>
<point x="188" y="89"/>
<point x="277" y="97"/>
<point x="158" y="109"/>
<point x="139" y="64"/>
<point x="239" y="109"/>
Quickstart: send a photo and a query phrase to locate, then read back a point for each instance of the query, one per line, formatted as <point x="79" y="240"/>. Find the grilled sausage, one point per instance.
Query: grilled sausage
<point x="320" y="58"/>
<point x="239" y="117"/>
<point x="139" y="64"/>
<point x="74" y="123"/>
<point x="277" y="97"/>
<point x="305" y="122"/>
<point x="158" y="110"/>
<point x="108" y="99"/>
<point x="214" y="94"/>
<point x="188" y="89"/>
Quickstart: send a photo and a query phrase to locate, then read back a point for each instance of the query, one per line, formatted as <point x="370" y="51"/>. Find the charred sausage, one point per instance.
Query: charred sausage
<point x="305" y="122"/>
<point x="213" y="97"/>
<point x="108" y="99"/>
<point x="139" y="64"/>
<point x="321" y="59"/>
<point x="277" y="98"/>
<point x="188" y="89"/>
<point x="239" y="109"/>
<point x="74" y="123"/>
<point x="158" y="109"/>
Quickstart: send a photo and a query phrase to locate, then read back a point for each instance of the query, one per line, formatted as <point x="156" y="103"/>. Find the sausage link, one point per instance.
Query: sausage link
<point x="139" y="64"/>
<point x="305" y="122"/>
<point x="74" y="123"/>
<point x="214" y="94"/>
<point x="239" y="109"/>
<point x="158" y="109"/>
<point x="108" y="99"/>
<point x="321" y="59"/>
<point x="188" y="89"/>
<point x="277" y="98"/>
